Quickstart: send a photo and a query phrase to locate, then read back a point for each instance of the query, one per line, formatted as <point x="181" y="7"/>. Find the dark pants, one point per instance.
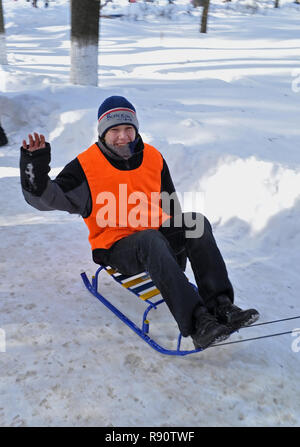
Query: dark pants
<point x="160" y="253"/>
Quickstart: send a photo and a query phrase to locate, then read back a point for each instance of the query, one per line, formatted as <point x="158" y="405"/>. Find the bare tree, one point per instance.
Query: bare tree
<point x="204" y="17"/>
<point x="197" y="3"/>
<point x="84" y="41"/>
<point x="3" y="58"/>
<point x="205" y="5"/>
<point x="276" y="4"/>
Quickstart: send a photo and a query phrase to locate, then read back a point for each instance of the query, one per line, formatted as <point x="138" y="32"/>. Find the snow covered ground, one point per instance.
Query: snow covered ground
<point x="223" y="108"/>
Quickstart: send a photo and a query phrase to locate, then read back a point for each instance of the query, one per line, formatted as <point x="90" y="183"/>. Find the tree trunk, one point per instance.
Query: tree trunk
<point x="3" y="58"/>
<point x="276" y="5"/>
<point x="84" y="41"/>
<point x="204" y="18"/>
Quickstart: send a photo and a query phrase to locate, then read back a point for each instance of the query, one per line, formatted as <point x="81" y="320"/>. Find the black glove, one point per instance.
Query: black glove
<point x="34" y="169"/>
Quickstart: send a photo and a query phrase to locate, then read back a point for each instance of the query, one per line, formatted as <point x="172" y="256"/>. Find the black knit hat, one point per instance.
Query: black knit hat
<point x="114" y="111"/>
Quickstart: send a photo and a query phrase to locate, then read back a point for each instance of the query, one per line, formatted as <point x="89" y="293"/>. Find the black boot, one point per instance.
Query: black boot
<point x="207" y="329"/>
<point x="232" y="316"/>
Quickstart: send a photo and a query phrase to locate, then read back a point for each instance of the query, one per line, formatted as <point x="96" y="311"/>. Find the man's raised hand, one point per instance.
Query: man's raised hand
<point x="35" y="143"/>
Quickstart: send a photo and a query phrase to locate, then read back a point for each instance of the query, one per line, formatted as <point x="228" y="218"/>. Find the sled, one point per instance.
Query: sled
<point x="143" y="287"/>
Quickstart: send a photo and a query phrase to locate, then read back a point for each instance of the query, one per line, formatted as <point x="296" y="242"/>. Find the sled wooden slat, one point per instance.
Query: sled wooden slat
<point x="149" y="294"/>
<point x="136" y="281"/>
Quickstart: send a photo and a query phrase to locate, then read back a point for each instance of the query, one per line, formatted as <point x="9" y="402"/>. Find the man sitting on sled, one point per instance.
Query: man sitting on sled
<point x="103" y="185"/>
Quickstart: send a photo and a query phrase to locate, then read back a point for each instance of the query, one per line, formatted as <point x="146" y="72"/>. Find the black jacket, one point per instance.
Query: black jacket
<point x="70" y="192"/>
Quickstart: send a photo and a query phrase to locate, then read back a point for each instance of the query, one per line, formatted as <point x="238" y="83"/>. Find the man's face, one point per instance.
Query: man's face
<point x="120" y="135"/>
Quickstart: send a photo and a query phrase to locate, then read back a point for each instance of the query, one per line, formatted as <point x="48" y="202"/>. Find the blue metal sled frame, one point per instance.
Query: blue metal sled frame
<point x="142" y="331"/>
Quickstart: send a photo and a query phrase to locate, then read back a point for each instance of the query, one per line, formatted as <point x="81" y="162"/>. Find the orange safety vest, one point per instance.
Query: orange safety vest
<point x="123" y="202"/>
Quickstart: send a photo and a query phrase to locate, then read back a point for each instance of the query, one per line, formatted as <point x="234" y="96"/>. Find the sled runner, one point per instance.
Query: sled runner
<point x="143" y="287"/>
